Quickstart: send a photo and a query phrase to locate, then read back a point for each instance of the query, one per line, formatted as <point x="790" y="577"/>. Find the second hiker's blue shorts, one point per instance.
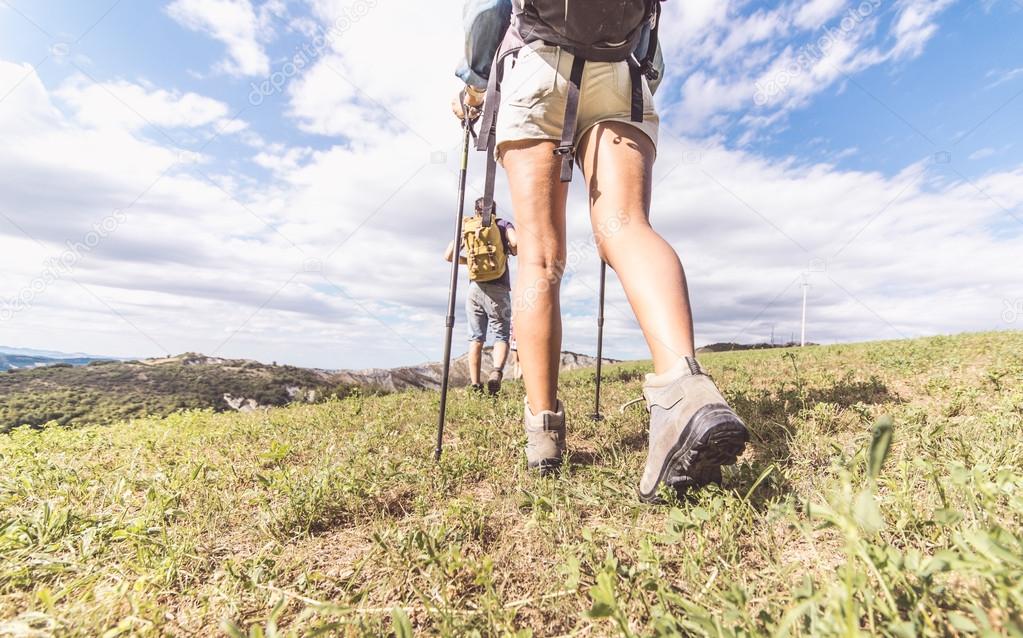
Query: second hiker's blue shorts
<point x="488" y="305"/>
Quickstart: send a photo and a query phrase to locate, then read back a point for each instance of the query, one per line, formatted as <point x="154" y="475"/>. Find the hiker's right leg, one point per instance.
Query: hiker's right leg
<point x="500" y="324"/>
<point x="693" y="431"/>
<point x="617" y="161"/>
<point x="538" y="199"/>
<point x="500" y="312"/>
<point x="500" y="354"/>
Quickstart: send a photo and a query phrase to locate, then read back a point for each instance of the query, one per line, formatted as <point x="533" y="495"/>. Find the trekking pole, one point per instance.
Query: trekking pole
<point x="449" y="320"/>
<point x="597" y="416"/>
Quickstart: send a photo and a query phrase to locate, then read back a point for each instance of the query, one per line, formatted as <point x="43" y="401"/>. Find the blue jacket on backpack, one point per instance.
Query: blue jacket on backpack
<point x="485" y="22"/>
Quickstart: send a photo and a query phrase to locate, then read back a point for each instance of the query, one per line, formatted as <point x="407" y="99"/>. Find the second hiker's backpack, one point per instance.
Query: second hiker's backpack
<point x="484" y="249"/>
<point x="591" y="30"/>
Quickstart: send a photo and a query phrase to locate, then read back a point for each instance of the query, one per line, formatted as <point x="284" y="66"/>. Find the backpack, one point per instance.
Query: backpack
<point x="484" y="249"/>
<point x="595" y="30"/>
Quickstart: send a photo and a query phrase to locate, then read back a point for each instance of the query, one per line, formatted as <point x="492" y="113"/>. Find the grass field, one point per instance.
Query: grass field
<point x="333" y="519"/>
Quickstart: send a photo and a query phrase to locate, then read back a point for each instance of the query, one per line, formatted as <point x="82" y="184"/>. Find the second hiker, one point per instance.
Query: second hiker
<point x="488" y="302"/>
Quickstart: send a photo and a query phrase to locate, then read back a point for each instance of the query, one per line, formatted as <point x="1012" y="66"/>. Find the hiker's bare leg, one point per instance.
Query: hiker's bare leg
<point x="475" y="361"/>
<point x="538" y="199"/>
<point x="618" y="164"/>
<point x="500" y="354"/>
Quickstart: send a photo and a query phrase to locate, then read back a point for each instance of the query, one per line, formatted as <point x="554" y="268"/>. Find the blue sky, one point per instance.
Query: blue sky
<point x="895" y="115"/>
<point x="306" y="225"/>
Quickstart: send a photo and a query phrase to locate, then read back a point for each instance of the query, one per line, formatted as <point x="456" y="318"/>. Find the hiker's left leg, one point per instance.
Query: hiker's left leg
<point x="617" y="161"/>
<point x="538" y="199"/>
<point x="476" y="322"/>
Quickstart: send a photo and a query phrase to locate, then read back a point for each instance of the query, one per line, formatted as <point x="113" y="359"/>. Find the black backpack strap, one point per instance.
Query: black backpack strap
<point x="647" y="64"/>
<point x="487" y="140"/>
<point x="638" y="69"/>
<point x="567" y="147"/>
<point x="488" y="134"/>
<point x="636" y="75"/>
<point x="488" y="187"/>
<point x="491" y="101"/>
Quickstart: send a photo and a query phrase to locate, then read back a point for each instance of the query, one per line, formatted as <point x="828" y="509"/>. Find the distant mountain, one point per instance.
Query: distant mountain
<point x="11" y="359"/>
<point x="50" y="354"/>
<point x="728" y="347"/>
<point x="78" y="391"/>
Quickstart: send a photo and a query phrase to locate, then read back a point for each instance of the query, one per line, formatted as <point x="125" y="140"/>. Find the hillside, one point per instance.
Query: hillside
<point x="109" y="391"/>
<point x="73" y="392"/>
<point x="333" y="519"/>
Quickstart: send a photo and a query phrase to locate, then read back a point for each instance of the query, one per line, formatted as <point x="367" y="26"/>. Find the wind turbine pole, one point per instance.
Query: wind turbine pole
<point x="802" y="329"/>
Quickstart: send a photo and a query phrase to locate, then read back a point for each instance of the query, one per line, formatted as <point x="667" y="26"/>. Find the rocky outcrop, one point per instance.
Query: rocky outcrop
<point x="427" y="376"/>
<point x="241" y="404"/>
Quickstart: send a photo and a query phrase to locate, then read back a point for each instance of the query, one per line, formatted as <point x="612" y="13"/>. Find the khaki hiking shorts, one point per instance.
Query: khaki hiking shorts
<point x="534" y="88"/>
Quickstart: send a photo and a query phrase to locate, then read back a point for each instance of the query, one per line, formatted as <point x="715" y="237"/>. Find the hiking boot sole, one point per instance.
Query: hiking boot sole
<point x="493" y="387"/>
<point x="713" y="437"/>
<point x="546" y="467"/>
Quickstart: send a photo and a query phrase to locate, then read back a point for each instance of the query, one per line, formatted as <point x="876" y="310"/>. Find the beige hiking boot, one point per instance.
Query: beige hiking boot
<point x="693" y="432"/>
<point x="545" y="439"/>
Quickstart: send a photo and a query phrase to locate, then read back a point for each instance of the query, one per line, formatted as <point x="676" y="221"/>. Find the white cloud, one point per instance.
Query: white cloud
<point x="1003" y="76"/>
<point x="280" y="160"/>
<point x="815" y="13"/>
<point x="981" y="153"/>
<point x="342" y="95"/>
<point x="235" y="23"/>
<point x="131" y="106"/>
<point x="847" y="152"/>
<point x="915" y="25"/>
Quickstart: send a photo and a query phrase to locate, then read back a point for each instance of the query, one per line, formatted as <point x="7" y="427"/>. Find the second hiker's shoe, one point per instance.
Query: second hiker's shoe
<point x="476" y="388"/>
<point x="494" y="382"/>
<point x="693" y="432"/>
<point x="545" y="439"/>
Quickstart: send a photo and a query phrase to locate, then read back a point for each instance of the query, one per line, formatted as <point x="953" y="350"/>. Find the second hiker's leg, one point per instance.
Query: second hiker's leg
<point x="500" y="354"/>
<point x="500" y="324"/>
<point x="538" y="199"/>
<point x="475" y="361"/>
<point x="618" y="163"/>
